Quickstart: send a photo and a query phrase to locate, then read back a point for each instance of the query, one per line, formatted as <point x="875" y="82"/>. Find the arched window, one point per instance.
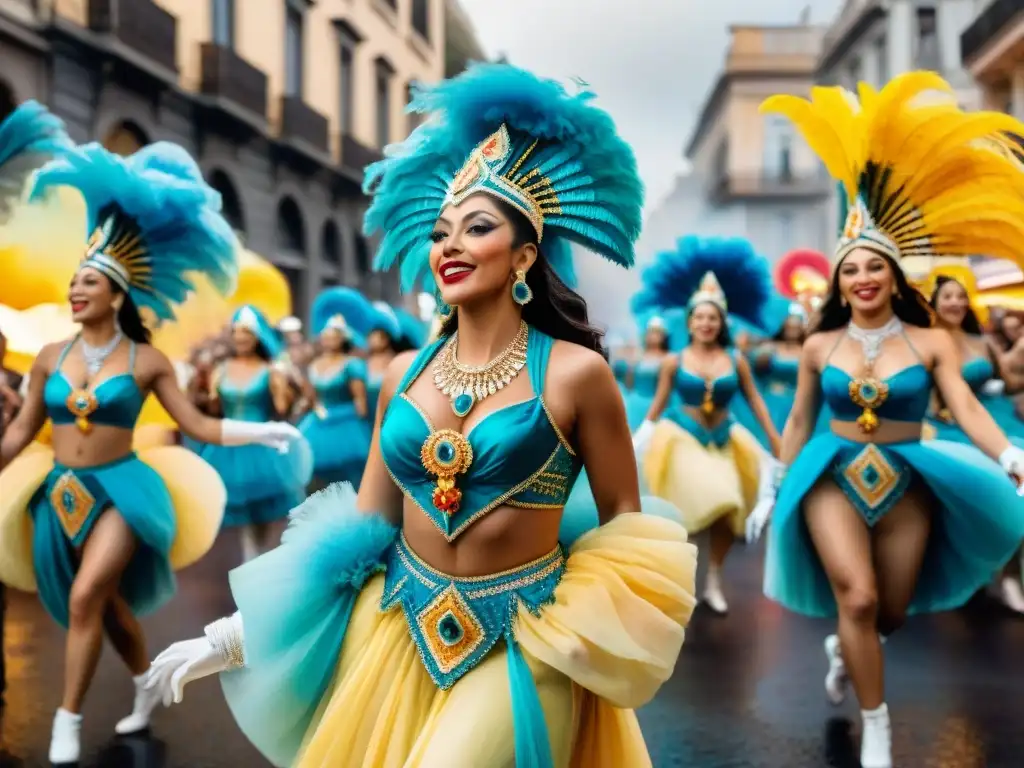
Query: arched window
<point x="231" y="204"/>
<point x="331" y="244"/>
<point x="125" y="138"/>
<point x="291" y="232"/>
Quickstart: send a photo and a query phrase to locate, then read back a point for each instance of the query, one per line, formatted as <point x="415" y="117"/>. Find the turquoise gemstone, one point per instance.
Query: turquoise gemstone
<point x="449" y="629"/>
<point x="871" y="476"/>
<point x="68" y="500"/>
<point x="445" y="452"/>
<point x="868" y="392"/>
<point x="81" y="403"/>
<point x="463" y="404"/>
<point x="521" y="292"/>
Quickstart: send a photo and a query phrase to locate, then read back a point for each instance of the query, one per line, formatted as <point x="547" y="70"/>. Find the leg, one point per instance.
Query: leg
<point x="125" y="633"/>
<point x="1011" y="590"/>
<point x="250" y="546"/>
<point x="721" y="538"/>
<point x="900" y="540"/>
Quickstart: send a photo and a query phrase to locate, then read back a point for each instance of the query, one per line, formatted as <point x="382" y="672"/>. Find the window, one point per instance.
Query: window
<point x="383" y="95"/>
<point x="927" y="54"/>
<point x="224" y="23"/>
<point x="346" y="78"/>
<point x="421" y="17"/>
<point x="882" y="56"/>
<point x="778" y="148"/>
<point x="293" y="34"/>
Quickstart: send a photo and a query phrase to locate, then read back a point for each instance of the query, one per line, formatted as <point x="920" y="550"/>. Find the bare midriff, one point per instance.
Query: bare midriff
<point x="101" y="445"/>
<point x="887" y="432"/>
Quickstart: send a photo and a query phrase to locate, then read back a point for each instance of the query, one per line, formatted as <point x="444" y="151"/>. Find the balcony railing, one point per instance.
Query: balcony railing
<point x="737" y="186"/>
<point x="300" y="121"/>
<point x="995" y="18"/>
<point x="854" y="21"/>
<point x="141" y="25"/>
<point x="355" y="155"/>
<point x="227" y="75"/>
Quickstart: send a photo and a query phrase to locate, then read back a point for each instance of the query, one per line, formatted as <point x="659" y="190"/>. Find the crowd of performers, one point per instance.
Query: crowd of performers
<point x="496" y="570"/>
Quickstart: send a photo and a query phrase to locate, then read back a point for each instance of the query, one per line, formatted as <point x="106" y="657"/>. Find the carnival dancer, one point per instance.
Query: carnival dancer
<point x="338" y="428"/>
<point x="698" y="457"/>
<point x="263" y="484"/>
<point x="646" y="370"/>
<point x="94" y="527"/>
<point x="495" y="645"/>
<point x="776" y="363"/>
<point x="871" y="522"/>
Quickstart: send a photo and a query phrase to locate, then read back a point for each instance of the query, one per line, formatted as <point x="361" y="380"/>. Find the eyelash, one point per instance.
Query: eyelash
<point x="477" y="229"/>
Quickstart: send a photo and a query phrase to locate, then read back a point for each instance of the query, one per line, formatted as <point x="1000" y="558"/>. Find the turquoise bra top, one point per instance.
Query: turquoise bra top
<point x="251" y="401"/>
<point x="908" y="397"/>
<point x="519" y="456"/>
<point x="645" y="377"/>
<point x="620" y="369"/>
<point x="783" y="370"/>
<point x="977" y="372"/>
<point x="333" y="389"/>
<point x="693" y="388"/>
<point x="114" y="402"/>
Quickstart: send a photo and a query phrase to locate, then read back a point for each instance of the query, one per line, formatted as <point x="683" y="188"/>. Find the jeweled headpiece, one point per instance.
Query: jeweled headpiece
<point x="502" y="131"/>
<point x="919" y="176"/>
<point x="152" y="221"/>
<point x="254" y="321"/>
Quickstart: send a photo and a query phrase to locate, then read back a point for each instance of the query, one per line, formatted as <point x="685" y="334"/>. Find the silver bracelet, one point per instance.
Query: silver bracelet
<point x="225" y="635"/>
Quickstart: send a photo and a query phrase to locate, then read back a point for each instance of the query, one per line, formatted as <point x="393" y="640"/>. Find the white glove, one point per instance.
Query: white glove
<point x="642" y="436"/>
<point x="275" y="434"/>
<point x="218" y="651"/>
<point x="993" y="387"/>
<point x="772" y="472"/>
<point x="1012" y="462"/>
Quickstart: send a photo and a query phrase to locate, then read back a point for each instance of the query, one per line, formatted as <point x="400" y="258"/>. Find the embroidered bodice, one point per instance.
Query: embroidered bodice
<point x="692" y="389"/>
<point x="247" y="401"/>
<point x="114" y="402"/>
<point x="519" y="456"/>
<point x="645" y="376"/>
<point x="909" y="392"/>
<point x="333" y="388"/>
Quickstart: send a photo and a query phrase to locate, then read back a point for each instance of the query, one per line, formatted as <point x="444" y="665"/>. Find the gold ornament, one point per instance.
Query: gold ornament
<point x="467" y="385"/>
<point x="870" y="394"/>
<point x="82" y="403"/>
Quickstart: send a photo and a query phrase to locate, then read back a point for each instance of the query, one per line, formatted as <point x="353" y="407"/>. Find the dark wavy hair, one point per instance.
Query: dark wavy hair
<point x="781" y="335"/>
<point x="908" y="304"/>
<point x="128" y="316"/>
<point x="970" y="325"/>
<point x="724" y="338"/>
<point x="663" y="346"/>
<point x="556" y="309"/>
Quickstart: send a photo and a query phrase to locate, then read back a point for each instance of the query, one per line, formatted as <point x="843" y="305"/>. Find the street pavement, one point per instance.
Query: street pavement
<point x="747" y="692"/>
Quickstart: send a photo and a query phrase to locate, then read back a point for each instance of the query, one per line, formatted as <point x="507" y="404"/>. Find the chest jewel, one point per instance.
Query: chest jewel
<point x="445" y="455"/>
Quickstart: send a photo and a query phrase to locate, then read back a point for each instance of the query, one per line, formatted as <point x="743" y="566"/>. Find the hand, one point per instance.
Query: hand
<point x="279" y="435"/>
<point x="275" y="434"/>
<point x="772" y="473"/>
<point x="1012" y="462"/>
<point x="642" y="437"/>
<point x="182" y="663"/>
<point x="759" y="518"/>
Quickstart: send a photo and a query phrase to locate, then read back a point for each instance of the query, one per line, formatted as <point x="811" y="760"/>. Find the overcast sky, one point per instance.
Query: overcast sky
<point x="651" y="62"/>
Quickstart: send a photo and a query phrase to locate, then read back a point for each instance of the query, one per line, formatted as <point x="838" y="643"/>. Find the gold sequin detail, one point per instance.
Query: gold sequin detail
<point x="72" y="502"/>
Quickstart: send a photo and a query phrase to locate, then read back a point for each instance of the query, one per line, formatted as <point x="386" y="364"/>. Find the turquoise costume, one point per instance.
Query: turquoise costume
<point x="646" y="372"/>
<point x="977" y="372"/>
<point x="340" y="438"/>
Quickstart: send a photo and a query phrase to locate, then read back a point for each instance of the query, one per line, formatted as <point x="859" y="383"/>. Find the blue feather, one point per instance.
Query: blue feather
<point x="744" y="275"/>
<point x="360" y="315"/>
<point x="413" y="330"/>
<point x="29" y="136"/>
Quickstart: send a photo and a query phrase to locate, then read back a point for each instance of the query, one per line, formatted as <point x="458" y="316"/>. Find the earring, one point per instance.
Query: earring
<point x="842" y="302"/>
<point x="521" y="293"/>
<point x="444" y="309"/>
<point x="896" y="291"/>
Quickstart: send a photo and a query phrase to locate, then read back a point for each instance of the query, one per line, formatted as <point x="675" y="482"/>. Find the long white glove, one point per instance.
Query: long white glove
<point x="221" y="649"/>
<point x="772" y="472"/>
<point x="1012" y="462"/>
<point x="276" y="434"/>
<point x="993" y="387"/>
<point x="642" y="436"/>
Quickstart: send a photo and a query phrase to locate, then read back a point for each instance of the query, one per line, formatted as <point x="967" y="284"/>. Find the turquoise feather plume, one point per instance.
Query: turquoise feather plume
<point x="29" y="137"/>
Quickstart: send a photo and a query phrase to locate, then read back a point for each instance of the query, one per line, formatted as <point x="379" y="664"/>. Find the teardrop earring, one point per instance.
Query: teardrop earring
<point x="843" y="302"/>
<point x="521" y="293"/>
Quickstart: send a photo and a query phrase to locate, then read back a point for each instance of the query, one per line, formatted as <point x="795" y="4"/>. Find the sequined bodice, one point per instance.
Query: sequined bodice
<point x="909" y="394"/>
<point x="334" y="388"/>
<point x="247" y="401"/>
<point x="519" y="457"/>
<point x="693" y="388"/>
<point x="114" y="402"/>
<point x="645" y="377"/>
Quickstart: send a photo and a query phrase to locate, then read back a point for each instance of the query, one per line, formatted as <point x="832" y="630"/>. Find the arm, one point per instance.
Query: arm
<point x="756" y="402"/>
<point x="604" y="441"/>
<point x="32" y="416"/>
<point x="280" y="391"/>
<point x="357" y="387"/>
<point x="804" y="413"/>
<point x="664" y="392"/>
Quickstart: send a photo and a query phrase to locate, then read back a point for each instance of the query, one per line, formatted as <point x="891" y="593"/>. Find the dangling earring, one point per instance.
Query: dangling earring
<point x="842" y="302"/>
<point x="896" y="291"/>
<point x="521" y="293"/>
<point x="444" y="309"/>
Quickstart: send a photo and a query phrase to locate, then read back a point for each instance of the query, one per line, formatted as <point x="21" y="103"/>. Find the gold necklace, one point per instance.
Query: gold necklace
<point x="466" y="385"/>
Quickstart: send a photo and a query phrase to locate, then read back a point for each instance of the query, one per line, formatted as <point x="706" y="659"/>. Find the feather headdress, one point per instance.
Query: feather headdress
<point x="919" y="176"/>
<point x="29" y="136"/>
<point x="960" y="272"/>
<point x="802" y="272"/>
<point x="726" y="272"/>
<point x="347" y="310"/>
<point x="152" y="221"/>
<point x="412" y="330"/>
<point x="502" y="131"/>
<point x="251" y="319"/>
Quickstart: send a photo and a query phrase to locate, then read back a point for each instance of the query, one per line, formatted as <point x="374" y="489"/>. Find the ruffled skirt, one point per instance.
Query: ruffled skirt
<point x="340" y="673"/>
<point x="707" y="476"/>
<point x="172" y="500"/>
<point x="340" y="442"/>
<point x="977" y="523"/>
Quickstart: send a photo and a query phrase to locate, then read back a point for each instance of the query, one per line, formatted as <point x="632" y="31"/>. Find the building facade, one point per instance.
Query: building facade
<point x="282" y="102"/>
<point x="755" y="176"/>
<point x="992" y="48"/>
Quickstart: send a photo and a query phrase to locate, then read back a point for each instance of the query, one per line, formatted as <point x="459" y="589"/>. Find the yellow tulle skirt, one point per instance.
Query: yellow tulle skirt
<point x="603" y="647"/>
<point x="706" y="482"/>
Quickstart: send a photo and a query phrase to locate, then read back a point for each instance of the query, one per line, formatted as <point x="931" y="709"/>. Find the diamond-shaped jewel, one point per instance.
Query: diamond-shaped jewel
<point x="870" y="475"/>
<point x="450" y="629"/>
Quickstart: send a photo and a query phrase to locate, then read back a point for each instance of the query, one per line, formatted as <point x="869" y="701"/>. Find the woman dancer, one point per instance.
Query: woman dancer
<point x="776" y="364"/>
<point x="479" y="599"/>
<point x="263" y="484"/>
<point x="697" y="457"/>
<point x="94" y="527"/>
<point x="338" y="427"/>
<point x="871" y="522"/>
<point x="644" y="373"/>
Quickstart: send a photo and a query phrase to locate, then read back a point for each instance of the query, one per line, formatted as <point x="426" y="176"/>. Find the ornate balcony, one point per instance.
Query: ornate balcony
<point x="227" y="76"/>
<point x="300" y="122"/>
<point x="355" y="156"/>
<point x="988" y="27"/>
<point x="141" y="25"/>
<point x="730" y="187"/>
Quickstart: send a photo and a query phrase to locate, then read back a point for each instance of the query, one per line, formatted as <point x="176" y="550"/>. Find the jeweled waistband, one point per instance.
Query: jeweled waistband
<point x="456" y="621"/>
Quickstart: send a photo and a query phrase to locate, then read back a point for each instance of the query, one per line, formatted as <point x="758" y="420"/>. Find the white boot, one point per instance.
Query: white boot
<point x="145" y="703"/>
<point x="65" y="742"/>
<point x="1012" y="594"/>
<point x="836" y="679"/>
<point x="250" y="549"/>
<point x="713" y="591"/>
<point x="876" y="738"/>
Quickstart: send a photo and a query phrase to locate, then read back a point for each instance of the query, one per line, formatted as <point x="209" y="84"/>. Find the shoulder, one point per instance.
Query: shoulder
<point x="819" y="345"/>
<point x="936" y="342"/>
<point x="46" y="360"/>
<point x="575" y="365"/>
<point x="397" y="369"/>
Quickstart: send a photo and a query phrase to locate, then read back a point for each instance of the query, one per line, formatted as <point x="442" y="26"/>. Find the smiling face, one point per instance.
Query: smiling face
<point x="1012" y="328"/>
<point x="705" y="323"/>
<point x="867" y="281"/>
<point x="378" y="341"/>
<point x="91" y="296"/>
<point x="655" y="338"/>
<point x="952" y="304"/>
<point x="475" y="255"/>
<point x="793" y="329"/>
<point x="243" y="341"/>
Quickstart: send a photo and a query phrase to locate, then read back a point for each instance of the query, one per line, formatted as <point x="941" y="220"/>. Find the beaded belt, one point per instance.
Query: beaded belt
<point x="872" y="477"/>
<point x="455" y="622"/>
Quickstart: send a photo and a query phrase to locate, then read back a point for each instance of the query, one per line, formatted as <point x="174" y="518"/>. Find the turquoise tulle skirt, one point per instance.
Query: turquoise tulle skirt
<point x="263" y="484"/>
<point x="78" y="496"/>
<point x="1002" y="410"/>
<point x="978" y="524"/>
<point x="340" y="442"/>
